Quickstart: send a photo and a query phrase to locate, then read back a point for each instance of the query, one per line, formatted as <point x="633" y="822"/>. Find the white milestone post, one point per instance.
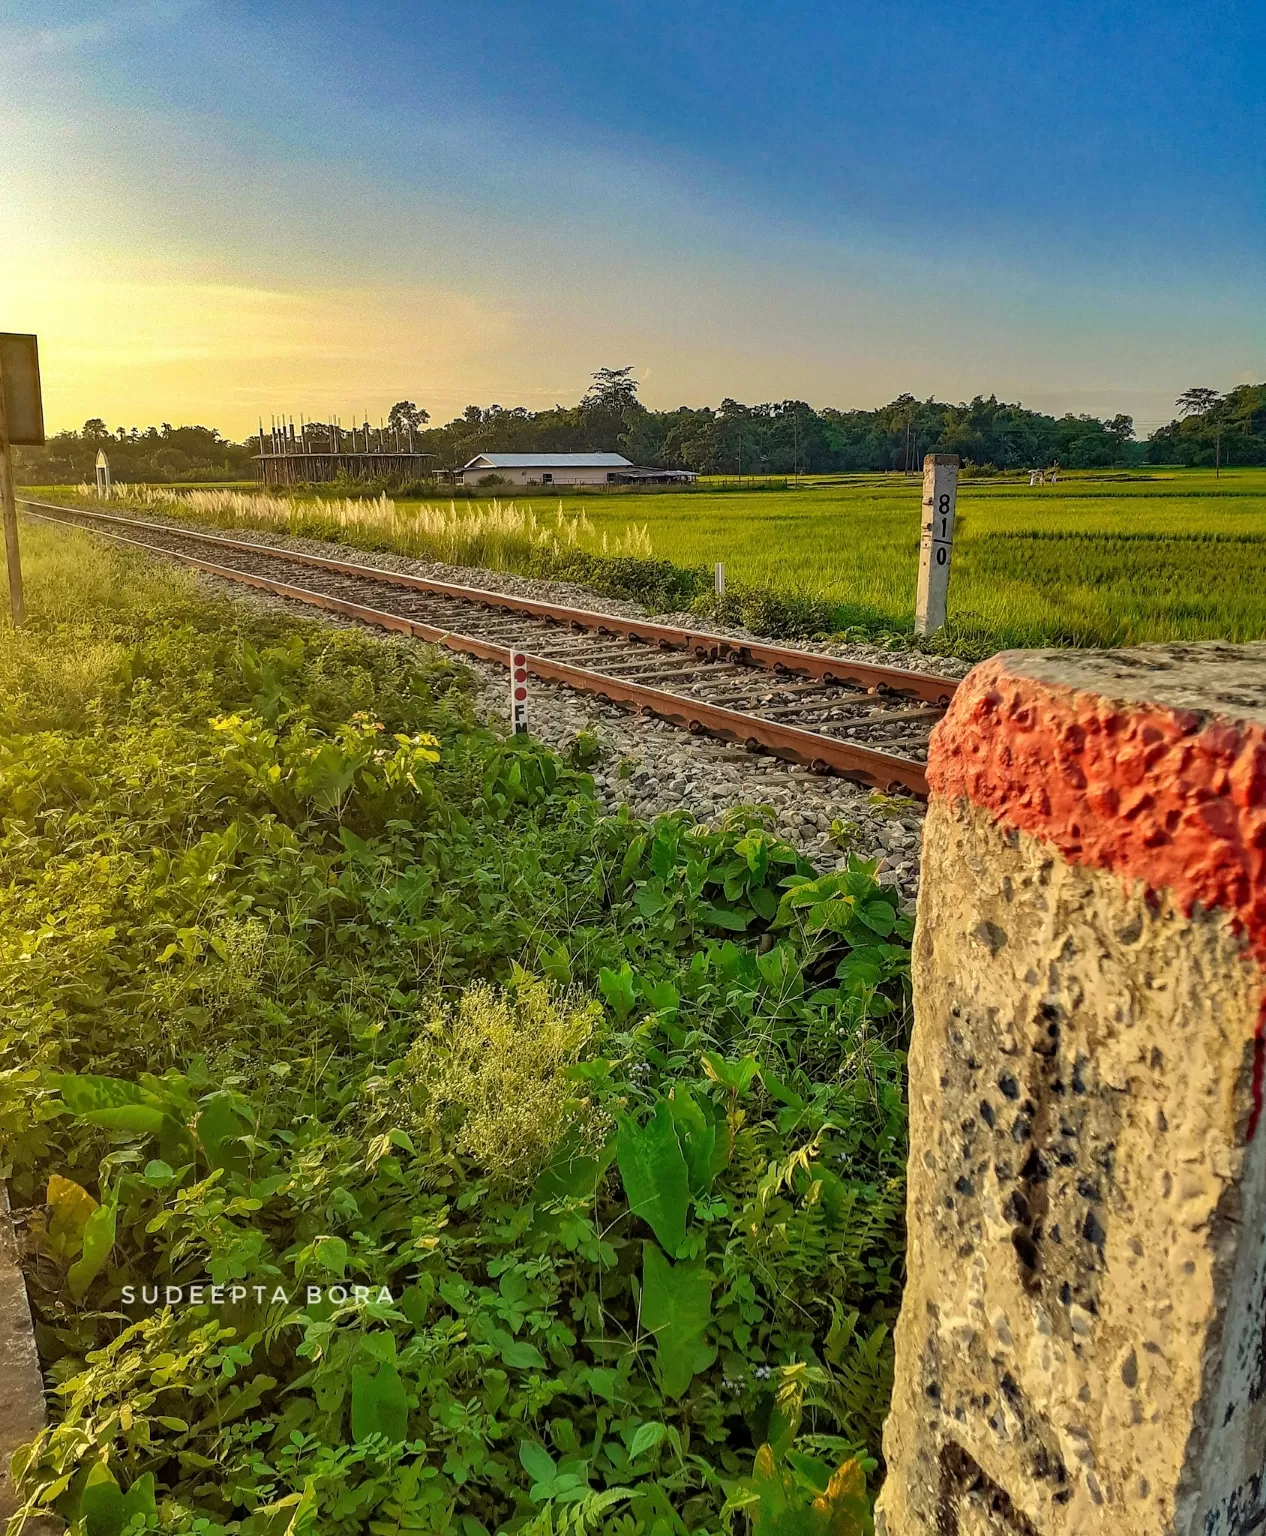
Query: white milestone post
<point x="940" y="494"/>
<point x="720" y="578"/>
<point x="103" y="475"/>
<point x="518" y="693"/>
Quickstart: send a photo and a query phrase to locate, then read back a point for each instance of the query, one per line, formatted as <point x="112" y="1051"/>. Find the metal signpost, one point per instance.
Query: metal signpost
<point x="940" y="493"/>
<point x="518" y="693"/>
<point x="21" y="422"/>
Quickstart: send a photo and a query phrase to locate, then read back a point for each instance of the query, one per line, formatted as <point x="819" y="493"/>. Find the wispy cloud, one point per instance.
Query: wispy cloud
<point x="19" y="43"/>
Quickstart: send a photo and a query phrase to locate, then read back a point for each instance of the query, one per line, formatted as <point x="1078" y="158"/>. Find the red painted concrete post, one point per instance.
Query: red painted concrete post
<point x="1082" y="1342"/>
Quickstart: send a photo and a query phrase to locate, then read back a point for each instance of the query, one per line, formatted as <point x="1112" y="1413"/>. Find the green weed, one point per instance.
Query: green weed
<point x="306" y="980"/>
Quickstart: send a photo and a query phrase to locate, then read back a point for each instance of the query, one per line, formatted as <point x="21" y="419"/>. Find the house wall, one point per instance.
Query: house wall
<point x="533" y="476"/>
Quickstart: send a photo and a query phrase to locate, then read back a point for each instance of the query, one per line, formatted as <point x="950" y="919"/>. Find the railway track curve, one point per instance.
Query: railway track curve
<point x="864" y="722"/>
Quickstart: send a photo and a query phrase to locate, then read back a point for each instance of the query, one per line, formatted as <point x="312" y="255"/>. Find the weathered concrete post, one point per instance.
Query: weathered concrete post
<point x="936" y="544"/>
<point x="1082" y="1342"/>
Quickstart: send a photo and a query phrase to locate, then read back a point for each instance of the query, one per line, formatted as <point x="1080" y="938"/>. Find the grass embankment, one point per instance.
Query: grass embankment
<point x="310" y="981"/>
<point x="1113" y="560"/>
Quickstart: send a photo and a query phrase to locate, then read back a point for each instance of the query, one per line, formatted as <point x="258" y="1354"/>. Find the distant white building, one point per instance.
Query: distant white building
<point x="566" y="469"/>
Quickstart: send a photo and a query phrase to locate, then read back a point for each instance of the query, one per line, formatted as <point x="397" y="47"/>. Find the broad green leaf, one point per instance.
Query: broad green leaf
<point x="737" y="1076"/>
<point x="139" y="1499"/>
<point x="650" y="899"/>
<point x="537" y="1461"/>
<point x="572" y="1174"/>
<point x="676" y="1308"/>
<point x="697" y="1130"/>
<point x="724" y="917"/>
<point x="379" y="1403"/>
<point x="380" y="1346"/>
<point x="617" y="987"/>
<point x="83" y="1093"/>
<point x="97" y="1243"/>
<point x="245" y="1398"/>
<point x="879" y="917"/>
<point x="101" y="1505"/>
<point x="836" y="915"/>
<point x="656" y="1183"/>
<point x="663" y="855"/>
<point x="663" y="996"/>
<point x="519" y="1355"/>
<point x="844" y="1505"/>
<point x="146" y="1119"/>
<point x="70" y="1205"/>
<point x="221" y="1125"/>
<point x="646" y="1439"/>
<point x="331" y="1254"/>
<point x="777" y="1089"/>
<point x="304" y="1518"/>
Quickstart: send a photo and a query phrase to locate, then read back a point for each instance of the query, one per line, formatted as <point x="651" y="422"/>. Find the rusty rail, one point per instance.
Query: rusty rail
<point x="813" y="749"/>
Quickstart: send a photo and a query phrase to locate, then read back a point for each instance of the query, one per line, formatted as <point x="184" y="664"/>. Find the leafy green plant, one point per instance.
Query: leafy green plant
<point x="401" y="1143"/>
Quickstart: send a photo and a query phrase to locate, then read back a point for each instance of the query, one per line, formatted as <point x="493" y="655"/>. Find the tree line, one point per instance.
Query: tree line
<point x="782" y="438"/>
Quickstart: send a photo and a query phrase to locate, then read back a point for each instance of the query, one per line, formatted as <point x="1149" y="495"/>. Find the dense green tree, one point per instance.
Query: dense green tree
<point x="1213" y="428"/>
<point x="785" y="437"/>
<point x="404" y="414"/>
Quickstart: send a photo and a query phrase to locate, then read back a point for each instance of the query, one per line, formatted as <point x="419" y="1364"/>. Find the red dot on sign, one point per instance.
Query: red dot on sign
<point x="520" y="694"/>
<point x="519" y="659"/>
<point x="520" y="675"/>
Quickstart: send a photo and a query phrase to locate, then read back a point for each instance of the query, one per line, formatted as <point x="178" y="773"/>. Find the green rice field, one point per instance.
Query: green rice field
<point x="1094" y="560"/>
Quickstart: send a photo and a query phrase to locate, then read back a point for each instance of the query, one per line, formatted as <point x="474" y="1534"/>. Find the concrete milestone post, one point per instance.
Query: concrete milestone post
<point x="1082" y="1343"/>
<point x="518" y="693"/>
<point x="936" y="545"/>
<point x="103" y="475"/>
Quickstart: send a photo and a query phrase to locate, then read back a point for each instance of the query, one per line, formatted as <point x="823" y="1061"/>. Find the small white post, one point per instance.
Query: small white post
<point x="940" y="494"/>
<point x="720" y="578"/>
<point x="518" y="693"/>
<point x="103" y="475"/>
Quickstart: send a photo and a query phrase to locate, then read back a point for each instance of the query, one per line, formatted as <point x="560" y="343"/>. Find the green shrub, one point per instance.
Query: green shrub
<point x="308" y="981"/>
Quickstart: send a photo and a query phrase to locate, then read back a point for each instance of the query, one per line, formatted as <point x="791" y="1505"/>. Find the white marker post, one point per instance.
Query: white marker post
<point x="103" y="475"/>
<point x="518" y="693"/>
<point x="940" y="493"/>
<point x="21" y="422"/>
<point x="720" y="578"/>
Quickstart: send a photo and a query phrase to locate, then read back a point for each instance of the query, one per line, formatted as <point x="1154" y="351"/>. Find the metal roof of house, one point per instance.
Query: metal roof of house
<point x="548" y="461"/>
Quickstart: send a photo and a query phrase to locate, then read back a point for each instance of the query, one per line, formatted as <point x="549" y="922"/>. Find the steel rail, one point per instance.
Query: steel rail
<point x="774" y="658"/>
<point x="823" y="754"/>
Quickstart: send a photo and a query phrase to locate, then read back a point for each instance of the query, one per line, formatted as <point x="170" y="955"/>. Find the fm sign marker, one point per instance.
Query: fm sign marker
<point x="518" y="692"/>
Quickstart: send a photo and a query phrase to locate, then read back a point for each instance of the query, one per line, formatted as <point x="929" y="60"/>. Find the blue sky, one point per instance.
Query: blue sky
<point x="221" y="209"/>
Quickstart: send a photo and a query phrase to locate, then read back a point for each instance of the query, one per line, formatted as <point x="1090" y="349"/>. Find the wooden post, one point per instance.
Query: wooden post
<point x="940" y="493"/>
<point x="9" y="512"/>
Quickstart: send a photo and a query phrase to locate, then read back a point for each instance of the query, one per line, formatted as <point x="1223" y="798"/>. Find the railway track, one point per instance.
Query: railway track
<point x="867" y="723"/>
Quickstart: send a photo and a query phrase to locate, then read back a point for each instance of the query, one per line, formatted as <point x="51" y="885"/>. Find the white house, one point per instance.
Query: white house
<point x="565" y="469"/>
